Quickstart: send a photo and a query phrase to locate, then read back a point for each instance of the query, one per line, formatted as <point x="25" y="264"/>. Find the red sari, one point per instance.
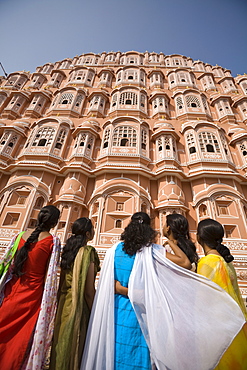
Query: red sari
<point x="21" y="305"/>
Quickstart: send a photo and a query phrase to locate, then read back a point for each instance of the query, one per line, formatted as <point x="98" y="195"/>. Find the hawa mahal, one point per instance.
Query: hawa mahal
<point x="106" y="135"/>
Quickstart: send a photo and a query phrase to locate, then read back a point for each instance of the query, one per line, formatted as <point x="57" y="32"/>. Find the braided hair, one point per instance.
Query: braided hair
<point x="77" y="240"/>
<point x="47" y="218"/>
<point x="180" y="229"/>
<point x="138" y="233"/>
<point x="211" y="232"/>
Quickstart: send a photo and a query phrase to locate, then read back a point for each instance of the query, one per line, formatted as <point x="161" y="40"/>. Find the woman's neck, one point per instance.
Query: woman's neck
<point x="208" y="250"/>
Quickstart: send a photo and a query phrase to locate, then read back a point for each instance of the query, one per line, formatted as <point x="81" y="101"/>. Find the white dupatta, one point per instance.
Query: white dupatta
<point x="187" y="320"/>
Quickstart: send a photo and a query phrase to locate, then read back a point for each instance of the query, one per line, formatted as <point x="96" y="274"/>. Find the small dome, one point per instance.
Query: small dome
<point x="72" y="186"/>
<point x="163" y="124"/>
<point x="171" y="192"/>
<point x="90" y="124"/>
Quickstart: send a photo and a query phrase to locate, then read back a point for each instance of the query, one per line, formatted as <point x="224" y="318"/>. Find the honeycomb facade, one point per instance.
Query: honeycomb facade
<point x="107" y="135"/>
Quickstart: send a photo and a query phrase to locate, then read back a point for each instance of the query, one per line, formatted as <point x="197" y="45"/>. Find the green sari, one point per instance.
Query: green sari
<point x="73" y="313"/>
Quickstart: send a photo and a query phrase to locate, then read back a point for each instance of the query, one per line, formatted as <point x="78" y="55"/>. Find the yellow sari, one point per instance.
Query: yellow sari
<point x="216" y="269"/>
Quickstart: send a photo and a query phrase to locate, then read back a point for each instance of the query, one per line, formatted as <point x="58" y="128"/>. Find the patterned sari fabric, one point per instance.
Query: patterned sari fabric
<point x="216" y="269"/>
<point x="28" y="308"/>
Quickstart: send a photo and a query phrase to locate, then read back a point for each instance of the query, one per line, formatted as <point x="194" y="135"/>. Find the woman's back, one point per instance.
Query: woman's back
<point x="131" y="351"/>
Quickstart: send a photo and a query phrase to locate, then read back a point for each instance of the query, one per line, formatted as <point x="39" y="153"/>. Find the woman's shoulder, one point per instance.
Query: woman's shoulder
<point x="210" y="259"/>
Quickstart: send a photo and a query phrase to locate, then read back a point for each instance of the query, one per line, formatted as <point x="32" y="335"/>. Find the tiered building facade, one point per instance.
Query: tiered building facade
<point x="107" y="135"/>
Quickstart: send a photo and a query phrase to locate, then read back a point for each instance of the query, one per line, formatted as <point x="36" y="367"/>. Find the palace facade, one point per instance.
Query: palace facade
<point x="107" y="135"/>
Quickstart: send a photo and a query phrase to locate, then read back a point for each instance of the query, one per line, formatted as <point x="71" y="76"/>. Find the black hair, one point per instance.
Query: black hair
<point x="47" y="219"/>
<point x="138" y="233"/>
<point x="180" y="229"/>
<point x="211" y="232"/>
<point x="77" y="240"/>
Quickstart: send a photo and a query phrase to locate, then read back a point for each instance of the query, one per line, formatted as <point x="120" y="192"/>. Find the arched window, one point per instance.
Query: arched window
<point x="39" y="203"/>
<point x="166" y="146"/>
<point x="144" y="139"/>
<point x="191" y="143"/>
<point x="208" y="142"/>
<point x="106" y="138"/>
<point x="203" y="210"/>
<point x="44" y="136"/>
<point x="128" y="98"/>
<point x="179" y="103"/>
<point x="118" y="224"/>
<point x="60" y="139"/>
<point x="243" y="148"/>
<point x="192" y="101"/>
<point x="124" y="136"/>
<point x="66" y="98"/>
<point x="80" y="140"/>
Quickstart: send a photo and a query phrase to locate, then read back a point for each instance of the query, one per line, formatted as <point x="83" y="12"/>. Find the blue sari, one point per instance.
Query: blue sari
<point x="131" y="350"/>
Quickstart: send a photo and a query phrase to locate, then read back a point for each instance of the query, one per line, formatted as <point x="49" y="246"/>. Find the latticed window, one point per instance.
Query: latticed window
<point x="166" y="146"/>
<point x="177" y="62"/>
<point x="160" y="144"/>
<point x="2" y="99"/>
<point x="182" y="78"/>
<point x="80" y="140"/>
<point x="132" y="60"/>
<point x="90" y="143"/>
<point x="114" y="100"/>
<point x="224" y="143"/>
<point x="44" y="137"/>
<point x="94" y="101"/>
<point x="60" y="139"/>
<point x="204" y="102"/>
<point x="130" y="75"/>
<point x="192" y="101"/>
<point x="128" y="98"/>
<point x="144" y="139"/>
<point x="191" y="143"/>
<point x="4" y="139"/>
<point x="106" y="138"/>
<point x="243" y="148"/>
<point x="244" y="86"/>
<point x="78" y="101"/>
<point x="179" y="102"/>
<point x="66" y="98"/>
<point x="208" y="142"/>
<point x="90" y="77"/>
<point x="110" y="58"/>
<point x="143" y="100"/>
<point x="80" y="76"/>
<point x="243" y="108"/>
<point x="124" y="136"/>
<point x="153" y="58"/>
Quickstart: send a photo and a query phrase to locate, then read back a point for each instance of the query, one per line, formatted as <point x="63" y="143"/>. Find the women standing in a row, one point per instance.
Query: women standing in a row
<point x="170" y="305"/>
<point x="29" y="301"/>
<point x="79" y="266"/>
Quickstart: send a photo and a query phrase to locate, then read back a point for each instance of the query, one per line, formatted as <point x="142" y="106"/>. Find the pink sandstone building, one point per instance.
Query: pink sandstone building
<point x="107" y="135"/>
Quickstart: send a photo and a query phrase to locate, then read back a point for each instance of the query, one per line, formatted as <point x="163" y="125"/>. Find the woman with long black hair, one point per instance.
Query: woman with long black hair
<point x="151" y="311"/>
<point x="29" y="295"/>
<point x="176" y="229"/>
<point x="217" y="266"/>
<point x="79" y="266"/>
<point x="217" y="263"/>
